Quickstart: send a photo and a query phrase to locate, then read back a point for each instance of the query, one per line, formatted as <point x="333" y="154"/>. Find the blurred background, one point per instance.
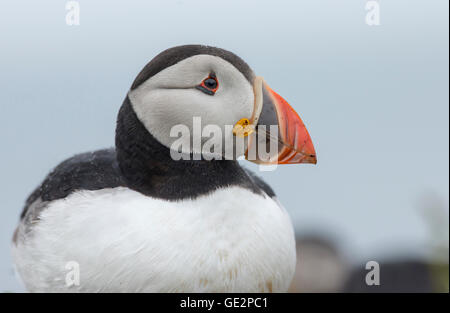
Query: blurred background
<point x="374" y="98"/>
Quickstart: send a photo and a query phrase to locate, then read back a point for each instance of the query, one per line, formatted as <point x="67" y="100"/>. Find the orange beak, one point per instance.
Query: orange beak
<point x="292" y="140"/>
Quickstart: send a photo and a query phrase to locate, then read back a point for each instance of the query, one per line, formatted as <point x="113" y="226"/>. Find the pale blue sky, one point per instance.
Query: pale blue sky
<point x="375" y="100"/>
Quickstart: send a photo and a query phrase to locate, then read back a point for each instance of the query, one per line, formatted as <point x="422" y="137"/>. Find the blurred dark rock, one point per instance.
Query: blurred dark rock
<point x="320" y="266"/>
<point x="395" y="276"/>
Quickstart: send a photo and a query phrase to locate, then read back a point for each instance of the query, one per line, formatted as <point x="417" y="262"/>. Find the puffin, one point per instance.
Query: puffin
<point x="159" y="212"/>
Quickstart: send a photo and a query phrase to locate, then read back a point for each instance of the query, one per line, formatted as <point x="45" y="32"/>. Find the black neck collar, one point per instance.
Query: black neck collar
<point x="147" y="166"/>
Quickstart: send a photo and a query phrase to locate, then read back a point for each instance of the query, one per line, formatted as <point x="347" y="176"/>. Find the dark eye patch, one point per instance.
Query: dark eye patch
<point x="209" y="85"/>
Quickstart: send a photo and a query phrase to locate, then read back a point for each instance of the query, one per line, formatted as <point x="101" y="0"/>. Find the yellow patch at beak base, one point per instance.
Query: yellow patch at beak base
<point x="243" y="128"/>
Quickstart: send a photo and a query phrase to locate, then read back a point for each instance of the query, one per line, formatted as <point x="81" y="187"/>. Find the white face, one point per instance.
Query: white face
<point x="171" y="98"/>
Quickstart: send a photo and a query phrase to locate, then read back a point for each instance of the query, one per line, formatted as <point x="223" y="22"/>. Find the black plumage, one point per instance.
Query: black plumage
<point x="141" y="163"/>
<point x="174" y="55"/>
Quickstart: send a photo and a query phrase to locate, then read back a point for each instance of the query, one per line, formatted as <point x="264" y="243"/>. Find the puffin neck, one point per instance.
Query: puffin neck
<point x="147" y="167"/>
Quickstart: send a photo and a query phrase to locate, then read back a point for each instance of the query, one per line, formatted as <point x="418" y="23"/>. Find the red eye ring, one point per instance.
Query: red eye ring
<point x="209" y="85"/>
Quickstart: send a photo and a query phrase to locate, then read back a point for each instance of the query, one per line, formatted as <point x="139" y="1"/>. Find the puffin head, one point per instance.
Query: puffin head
<point x="194" y="84"/>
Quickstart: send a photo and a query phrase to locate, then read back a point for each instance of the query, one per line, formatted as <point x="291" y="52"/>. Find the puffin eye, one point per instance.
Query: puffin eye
<point x="209" y="85"/>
